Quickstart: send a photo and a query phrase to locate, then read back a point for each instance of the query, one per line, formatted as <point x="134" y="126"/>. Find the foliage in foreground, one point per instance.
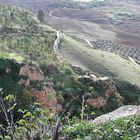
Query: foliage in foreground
<point x="38" y="124"/>
<point x="24" y="124"/>
<point x="121" y="129"/>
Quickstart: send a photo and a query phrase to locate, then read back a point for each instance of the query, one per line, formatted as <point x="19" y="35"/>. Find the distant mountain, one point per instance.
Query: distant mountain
<point x="33" y="5"/>
<point x="130" y="1"/>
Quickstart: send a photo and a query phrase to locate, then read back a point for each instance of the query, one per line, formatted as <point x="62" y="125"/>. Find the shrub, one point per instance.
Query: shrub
<point x="121" y="129"/>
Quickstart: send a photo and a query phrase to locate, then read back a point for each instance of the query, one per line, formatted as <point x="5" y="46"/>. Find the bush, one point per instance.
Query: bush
<point x="121" y="129"/>
<point x="36" y="124"/>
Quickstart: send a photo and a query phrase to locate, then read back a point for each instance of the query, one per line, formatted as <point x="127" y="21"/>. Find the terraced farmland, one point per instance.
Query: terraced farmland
<point x="123" y="51"/>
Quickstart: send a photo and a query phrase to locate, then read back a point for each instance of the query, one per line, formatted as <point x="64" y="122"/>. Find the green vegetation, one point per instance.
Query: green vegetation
<point x="5" y="55"/>
<point x="22" y="34"/>
<point x="121" y="129"/>
<point x="23" y="40"/>
<point x="27" y="124"/>
<point x="15" y="17"/>
<point x="79" y="4"/>
<point x="31" y="47"/>
<point x="39" y="125"/>
<point x="9" y="81"/>
<point x="26" y="46"/>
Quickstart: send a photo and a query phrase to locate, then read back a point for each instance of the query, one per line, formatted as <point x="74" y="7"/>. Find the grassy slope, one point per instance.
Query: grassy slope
<point x="100" y="61"/>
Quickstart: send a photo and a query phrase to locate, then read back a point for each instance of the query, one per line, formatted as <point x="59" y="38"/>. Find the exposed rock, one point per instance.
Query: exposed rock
<point x="46" y="96"/>
<point x="103" y="100"/>
<point x="31" y="72"/>
<point x="47" y="99"/>
<point x="97" y="103"/>
<point x="124" y="111"/>
<point x="103" y="82"/>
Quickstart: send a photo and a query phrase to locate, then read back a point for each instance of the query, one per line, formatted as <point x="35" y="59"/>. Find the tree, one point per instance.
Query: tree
<point x="41" y="15"/>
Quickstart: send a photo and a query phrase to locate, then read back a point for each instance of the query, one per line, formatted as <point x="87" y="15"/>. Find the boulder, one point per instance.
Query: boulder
<point x="124" y="111"/>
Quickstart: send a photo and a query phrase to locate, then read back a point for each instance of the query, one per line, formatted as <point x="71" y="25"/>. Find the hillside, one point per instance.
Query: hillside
<point x="42" y="92"/>
<point x="131" y="1"/>
<point x="15" y="19"/>
<point x="30" y="65"/>
<point x="123" y="72"/>
<point x="22" y="34"/>
<point x="25" y="44"/>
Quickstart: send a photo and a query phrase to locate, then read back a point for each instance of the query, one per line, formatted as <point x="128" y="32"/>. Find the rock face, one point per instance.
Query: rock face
<point x="31" y="72"/>
<point x="105" y="83"/>
<point x="47" y="99"/>
<point x="102" y="101"/>
<point x="46" y="95"/>
<point x="124" y="111"/>
<point x="30" y="79"/>
<point x="96" y="103"/>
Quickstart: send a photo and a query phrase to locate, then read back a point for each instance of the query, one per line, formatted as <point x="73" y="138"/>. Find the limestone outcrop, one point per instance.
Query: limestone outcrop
<point x="124" y="111"/>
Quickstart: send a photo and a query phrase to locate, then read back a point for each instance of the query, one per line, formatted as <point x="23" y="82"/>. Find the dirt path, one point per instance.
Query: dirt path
<point x="133" y="61"/>
<point x="52" y="16"/>
<point x="89" y="43"/>
<point x="55" y="45"/>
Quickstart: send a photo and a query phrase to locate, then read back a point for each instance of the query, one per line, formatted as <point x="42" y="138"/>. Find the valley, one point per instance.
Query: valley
<point x="69" y="70"/>
<point x="99" y="42"/>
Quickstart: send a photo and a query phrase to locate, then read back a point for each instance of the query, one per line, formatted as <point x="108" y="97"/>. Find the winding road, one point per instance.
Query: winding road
<point x="57" y="41"/>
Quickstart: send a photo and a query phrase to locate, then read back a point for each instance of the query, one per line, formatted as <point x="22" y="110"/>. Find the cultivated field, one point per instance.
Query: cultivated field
<point x="95" y="24"/>
<point x="118" y="21"/>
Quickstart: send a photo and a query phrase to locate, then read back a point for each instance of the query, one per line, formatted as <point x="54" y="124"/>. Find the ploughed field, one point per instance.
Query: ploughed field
<point x="93" y="24"/>
<point x="79" y="14"/>
<point x="118" y="21"/>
